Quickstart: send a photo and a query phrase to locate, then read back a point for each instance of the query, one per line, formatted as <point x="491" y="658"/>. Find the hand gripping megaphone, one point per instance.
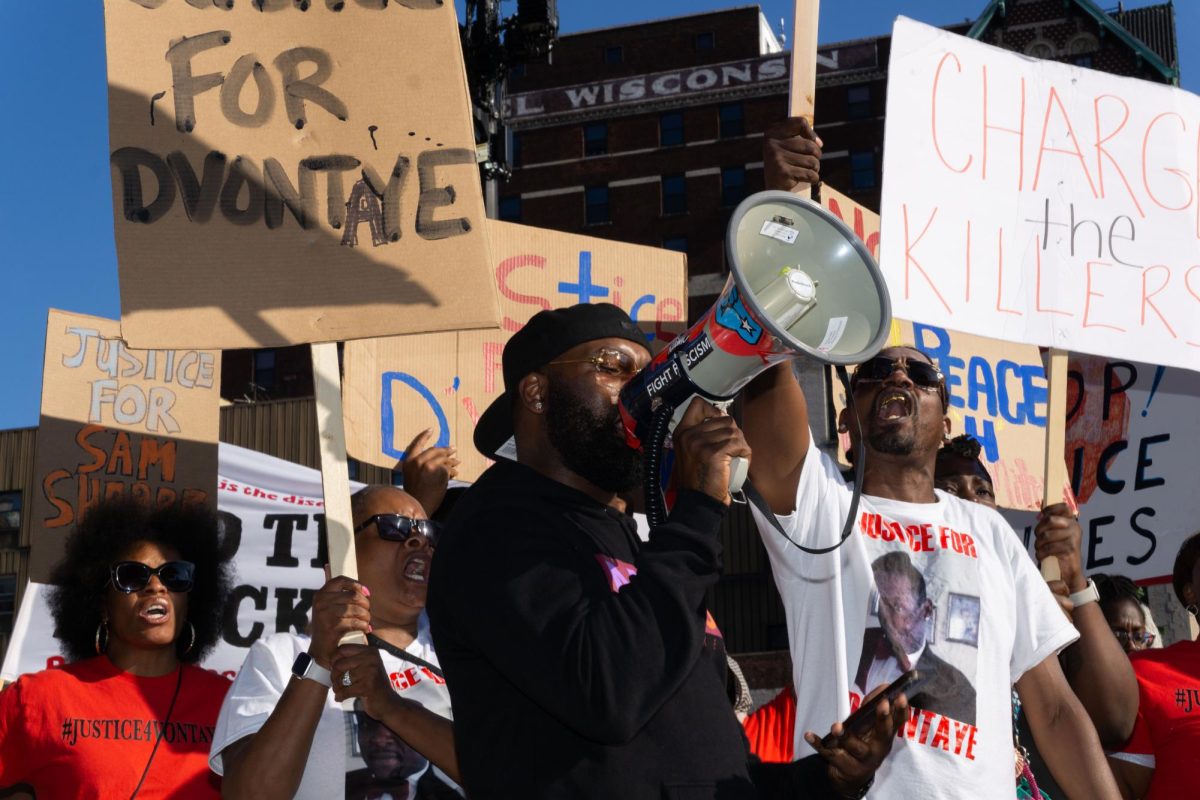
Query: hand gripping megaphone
<point x="800" y="283"/>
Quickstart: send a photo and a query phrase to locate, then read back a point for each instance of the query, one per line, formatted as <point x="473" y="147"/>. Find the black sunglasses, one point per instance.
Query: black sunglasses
<point x="880" y="368"/>
<point x="1143" y="639"/>
<point x="133" y="576"/>
<point x="399" y="528"/>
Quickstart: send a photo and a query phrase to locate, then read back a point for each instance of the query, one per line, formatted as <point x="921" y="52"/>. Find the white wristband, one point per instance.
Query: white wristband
<point x="1089" y="594"/>
<point x="306" y="667"/>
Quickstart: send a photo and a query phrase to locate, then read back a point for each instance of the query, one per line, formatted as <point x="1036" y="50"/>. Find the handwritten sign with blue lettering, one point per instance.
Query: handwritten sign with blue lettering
<point x="397" y="386"/>
<point x="997" y="394"/>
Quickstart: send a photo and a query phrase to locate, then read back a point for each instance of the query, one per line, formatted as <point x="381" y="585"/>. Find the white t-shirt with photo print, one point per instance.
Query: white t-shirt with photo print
<point x="990" y="618"/>
<point x="335" y="751"/>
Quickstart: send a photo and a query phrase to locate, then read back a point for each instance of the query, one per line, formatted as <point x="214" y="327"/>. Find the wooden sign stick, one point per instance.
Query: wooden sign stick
<point x="1055" y="488"/>
<point x="803" y="94"/>
<point x="335" y="476"/>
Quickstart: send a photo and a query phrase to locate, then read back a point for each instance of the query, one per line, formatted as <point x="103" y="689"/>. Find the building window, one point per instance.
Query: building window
<point x="1083" y="43"/>
<point x="514" y="150"/>
<point x="676" y="243"/>
<point x="10" y="520"/>
<point x="264" y="371"/>
<point x="595" y="139"/>
<point x="614" y="54"/>
<point x="862" y="169"/>
<point x="1040" y="48"/>
<point x="8" y="602"/>
<point x="733" y="122"/>
<point x="706" y="41"/>
<point x="858" y="102"/>
<point x="674" y="194"/>
<point x="596" y="210"/>
<point x="733" y="185"/>
<point x="510" y="208"/>
<point x="670" y="129"/>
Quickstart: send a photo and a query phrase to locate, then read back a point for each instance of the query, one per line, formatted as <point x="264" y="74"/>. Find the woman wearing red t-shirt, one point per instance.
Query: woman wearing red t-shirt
<point x="136" y="603"/>
<point x="1159" y="761"/>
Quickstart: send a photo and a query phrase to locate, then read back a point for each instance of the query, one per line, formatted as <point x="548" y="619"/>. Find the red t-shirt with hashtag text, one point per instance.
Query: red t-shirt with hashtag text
<point x="1168" y="722"/>
<point x="86" y="730"/>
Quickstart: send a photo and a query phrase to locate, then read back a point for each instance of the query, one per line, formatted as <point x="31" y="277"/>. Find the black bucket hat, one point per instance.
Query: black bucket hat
<point x="548" y="334"/>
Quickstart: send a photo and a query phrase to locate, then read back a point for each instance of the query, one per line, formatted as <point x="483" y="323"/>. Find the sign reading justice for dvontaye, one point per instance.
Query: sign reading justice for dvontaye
<point x="292" y="172"/>
<point x="1038" y="202"/>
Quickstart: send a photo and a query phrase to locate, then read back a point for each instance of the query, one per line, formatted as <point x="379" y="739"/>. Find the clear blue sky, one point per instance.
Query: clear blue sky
<point x="56" y="239"/>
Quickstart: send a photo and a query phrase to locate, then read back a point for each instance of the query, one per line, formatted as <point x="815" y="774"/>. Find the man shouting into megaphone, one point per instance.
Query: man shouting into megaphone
<point x="925" y="579"/>
<point x="581" y="661"/>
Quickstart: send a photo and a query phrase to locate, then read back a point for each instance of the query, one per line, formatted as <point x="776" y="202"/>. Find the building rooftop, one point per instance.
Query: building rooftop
<point x="1153" y="26"/>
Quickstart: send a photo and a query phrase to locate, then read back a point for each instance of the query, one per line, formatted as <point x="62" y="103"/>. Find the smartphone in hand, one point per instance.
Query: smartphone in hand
<point x="861" y="720"/>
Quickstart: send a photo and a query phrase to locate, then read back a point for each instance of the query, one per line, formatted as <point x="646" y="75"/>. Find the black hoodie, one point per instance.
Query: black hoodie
<point x="582" y="662"/>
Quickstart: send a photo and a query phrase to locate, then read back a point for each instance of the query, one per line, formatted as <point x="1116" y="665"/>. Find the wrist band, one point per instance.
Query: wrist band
<point x="1088" y="594"/>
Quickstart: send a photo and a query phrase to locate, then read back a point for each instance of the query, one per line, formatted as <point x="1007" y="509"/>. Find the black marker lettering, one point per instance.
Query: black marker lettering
<point x="184" y="85"/>
<point x="133" y="207"/>
<point x="242" y="172"/>
<point x="231" y="92"/>
<point x="333" y="166"/>
<point x="296" y="89"/>
<point x="392" y="195"/>
<point x="282" y="194"/>
<point x="199" y="197"/>
<point x="434" y="197"/>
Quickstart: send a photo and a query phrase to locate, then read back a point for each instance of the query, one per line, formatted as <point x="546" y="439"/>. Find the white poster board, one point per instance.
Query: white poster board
<point x="274" y="510"/>
<point x="1131" y="440"/>
<point x="1037" y="202"/>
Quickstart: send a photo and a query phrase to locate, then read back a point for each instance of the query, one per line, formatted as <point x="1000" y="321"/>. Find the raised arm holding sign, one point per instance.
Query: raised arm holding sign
<point x="925" y="576"/>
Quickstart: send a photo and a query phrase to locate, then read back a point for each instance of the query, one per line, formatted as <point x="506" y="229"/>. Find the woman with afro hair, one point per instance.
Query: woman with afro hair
<point x="136" y="603"/>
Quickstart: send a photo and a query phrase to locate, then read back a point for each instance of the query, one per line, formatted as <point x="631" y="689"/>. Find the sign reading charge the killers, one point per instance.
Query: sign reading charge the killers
<point x="997" y="390"/>
<point x="1031" y="201"/>
<point x="292" y="172"/>
<point x="114" y="422"/>
<point x="397" y="386"/>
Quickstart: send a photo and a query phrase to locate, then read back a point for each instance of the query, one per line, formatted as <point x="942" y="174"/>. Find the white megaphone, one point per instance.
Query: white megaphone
<point x="800" y="283"/>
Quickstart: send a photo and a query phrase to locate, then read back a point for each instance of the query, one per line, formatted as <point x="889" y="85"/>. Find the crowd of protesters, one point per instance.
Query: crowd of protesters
<point x="563" y="654"/>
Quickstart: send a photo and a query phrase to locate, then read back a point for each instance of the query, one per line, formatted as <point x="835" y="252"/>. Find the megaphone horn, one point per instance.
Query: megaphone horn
<point x="800" y="284"/>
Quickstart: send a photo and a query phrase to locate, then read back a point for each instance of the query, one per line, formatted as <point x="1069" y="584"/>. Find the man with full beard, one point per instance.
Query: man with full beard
<point x="977" y="592"/>
<point x="582" y="662"/>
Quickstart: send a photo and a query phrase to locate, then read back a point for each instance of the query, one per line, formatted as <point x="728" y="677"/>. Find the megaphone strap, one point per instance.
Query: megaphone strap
<point x="860" y="455"/>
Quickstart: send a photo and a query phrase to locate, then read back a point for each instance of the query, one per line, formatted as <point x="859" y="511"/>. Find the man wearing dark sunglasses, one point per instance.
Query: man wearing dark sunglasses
<point x="976" y="570"/>
<point x="582" y="661"/>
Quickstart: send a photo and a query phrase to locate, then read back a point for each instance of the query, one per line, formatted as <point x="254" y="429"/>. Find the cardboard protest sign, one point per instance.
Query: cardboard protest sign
<point x="292" y="172"/>
<point x="997" y="394"/>
<point x="860" y="219"/>
<point x="1033" y="201"/>
<point x="117" y="421"/>
<point x="1132" y="430"/>
<point x="395" y="387"/>
<point x="997" y="389"/>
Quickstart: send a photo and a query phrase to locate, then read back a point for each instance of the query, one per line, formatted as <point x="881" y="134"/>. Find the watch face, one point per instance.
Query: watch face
<point x="301" y="664"/>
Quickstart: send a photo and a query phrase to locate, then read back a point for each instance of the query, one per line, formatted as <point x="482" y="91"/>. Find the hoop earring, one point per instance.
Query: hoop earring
<point x="102" y="649"/>
<point x="191" y="639"/>
<point x="1193" y="609"/>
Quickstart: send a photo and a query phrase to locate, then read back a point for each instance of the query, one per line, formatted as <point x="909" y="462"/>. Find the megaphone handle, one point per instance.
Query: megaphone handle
<point x="738" y="469"/>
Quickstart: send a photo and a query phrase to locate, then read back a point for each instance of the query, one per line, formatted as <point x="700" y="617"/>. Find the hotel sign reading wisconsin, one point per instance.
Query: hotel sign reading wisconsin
<point x="750" y="76"/>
